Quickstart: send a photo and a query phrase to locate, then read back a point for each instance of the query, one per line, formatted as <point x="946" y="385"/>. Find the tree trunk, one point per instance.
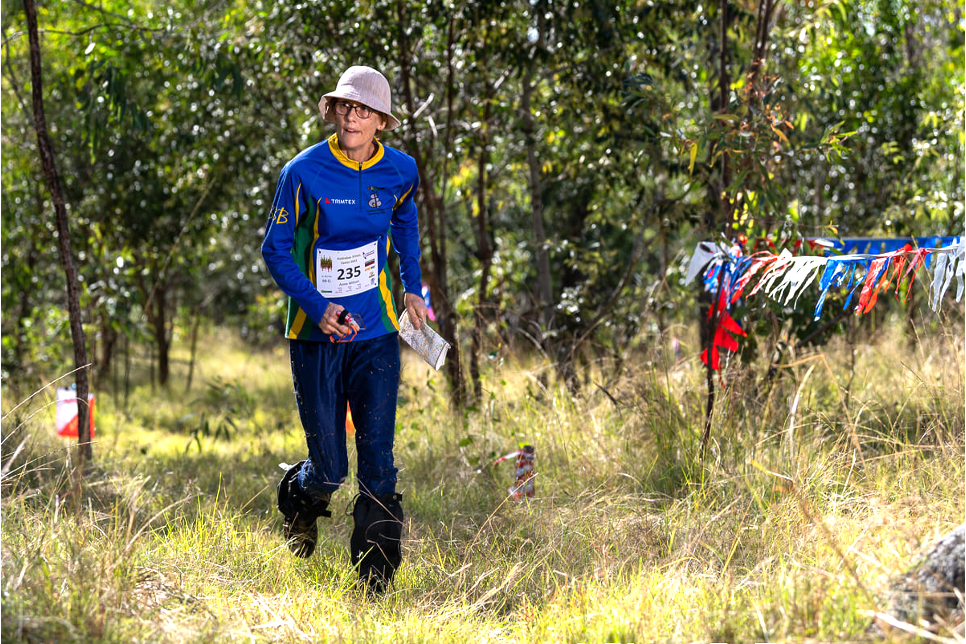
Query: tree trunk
<point x="724" y="88"/>
<point x="24" y="307"/>
<point x="755" y="97"/>
<point x="108" y="347"/>
<point x="127" y="371"/>
<point x="766" y="9"/>
<point x="159" y="322"/>
<point x="544" y="284"/>
<point x="195" y="323"/>
<point x="708" y="320"/>
<point x="48" y="162"/>
<point x="662" y="326"/>
<point x="484" y="249"/>
<point x="433" y="209"/>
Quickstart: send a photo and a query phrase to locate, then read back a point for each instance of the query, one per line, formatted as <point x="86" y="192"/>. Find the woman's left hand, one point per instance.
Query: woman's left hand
<point x="416" y="306"/>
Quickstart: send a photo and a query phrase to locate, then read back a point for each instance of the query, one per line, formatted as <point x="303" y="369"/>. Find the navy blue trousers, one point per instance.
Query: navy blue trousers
<point x="364" y="374"/>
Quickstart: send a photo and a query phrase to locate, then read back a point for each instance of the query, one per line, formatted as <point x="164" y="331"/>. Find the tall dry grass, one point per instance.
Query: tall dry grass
<point x="821" y="483"/>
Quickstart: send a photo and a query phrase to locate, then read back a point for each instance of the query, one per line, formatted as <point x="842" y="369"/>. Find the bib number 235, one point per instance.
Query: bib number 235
<point x="346" y="272"/>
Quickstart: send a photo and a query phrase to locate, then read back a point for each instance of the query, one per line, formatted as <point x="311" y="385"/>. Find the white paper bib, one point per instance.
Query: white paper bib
<point x="347" y="272"/>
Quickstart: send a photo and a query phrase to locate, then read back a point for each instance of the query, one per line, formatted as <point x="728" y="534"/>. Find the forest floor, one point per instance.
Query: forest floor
<point x="822" y="483"/>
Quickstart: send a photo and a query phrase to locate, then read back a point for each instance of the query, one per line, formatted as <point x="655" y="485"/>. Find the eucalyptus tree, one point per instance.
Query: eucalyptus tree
<point x="810" y="116"/>
<point x="158" y="156"/>
<point x="30" y="336"/>
<point x="429" y="44"/>
<point x="39" y="325"/>
<point x="512" y="116"/>
<point x="582" y="147"/>
<point x="891" y="73"/>
<point x="178" y="169"/>
<point x="48" y="163"/>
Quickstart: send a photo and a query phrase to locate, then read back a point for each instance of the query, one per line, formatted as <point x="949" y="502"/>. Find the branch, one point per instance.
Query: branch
<point x="84" y="32"/>
<point x="177" y="241"/>
<point x="766" y="9"/>
<point x="104" y="11"/>
<point x="614" y="296"/>
<point x="126" y="23"/>
<point x="13" y="80"/>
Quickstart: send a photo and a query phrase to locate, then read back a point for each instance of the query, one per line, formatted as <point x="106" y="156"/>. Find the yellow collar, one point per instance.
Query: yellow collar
<point x="349" y="163"/>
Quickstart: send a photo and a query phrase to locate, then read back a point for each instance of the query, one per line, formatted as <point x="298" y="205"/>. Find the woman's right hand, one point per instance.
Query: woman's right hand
<point x="330" y="321"/>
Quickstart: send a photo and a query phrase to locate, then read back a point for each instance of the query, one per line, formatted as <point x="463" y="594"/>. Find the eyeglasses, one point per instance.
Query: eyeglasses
<point x="343" y="109"/>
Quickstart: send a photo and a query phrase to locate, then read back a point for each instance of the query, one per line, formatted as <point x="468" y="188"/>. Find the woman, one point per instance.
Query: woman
<point x="337" y="205"/>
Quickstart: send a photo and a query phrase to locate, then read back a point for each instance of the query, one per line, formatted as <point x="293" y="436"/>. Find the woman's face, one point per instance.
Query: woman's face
<point x="356" y="134"/>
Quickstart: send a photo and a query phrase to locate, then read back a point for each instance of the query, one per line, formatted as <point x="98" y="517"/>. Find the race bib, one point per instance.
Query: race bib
<point x="347" y="272"/>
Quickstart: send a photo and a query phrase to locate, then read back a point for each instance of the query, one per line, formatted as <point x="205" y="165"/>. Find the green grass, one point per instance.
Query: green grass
<point x="788" y="531"/>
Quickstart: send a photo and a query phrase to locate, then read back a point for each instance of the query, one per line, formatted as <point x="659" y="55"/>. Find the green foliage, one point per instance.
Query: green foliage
<point x="171" y="123"/>
<point x="886" y="71"/>
<point x="152" y="159"/>
<point x="225" y="407"/>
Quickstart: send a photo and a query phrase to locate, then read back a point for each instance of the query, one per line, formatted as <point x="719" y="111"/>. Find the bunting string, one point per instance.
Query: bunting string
<point x="726" y="272"/>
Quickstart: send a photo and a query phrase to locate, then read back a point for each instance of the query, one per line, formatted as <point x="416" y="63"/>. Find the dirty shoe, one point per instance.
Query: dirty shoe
<point x="300" y="512"/>
<point x="376" y="539"/>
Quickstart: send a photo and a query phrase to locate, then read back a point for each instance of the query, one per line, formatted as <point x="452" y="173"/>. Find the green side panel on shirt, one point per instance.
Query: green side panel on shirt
<point x="302" y="254"/>
<point x="388" y="303"/>
<point x="386" y="322"/>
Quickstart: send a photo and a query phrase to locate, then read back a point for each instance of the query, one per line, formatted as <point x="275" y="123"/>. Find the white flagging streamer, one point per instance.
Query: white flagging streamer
<point x="948" y="264"/>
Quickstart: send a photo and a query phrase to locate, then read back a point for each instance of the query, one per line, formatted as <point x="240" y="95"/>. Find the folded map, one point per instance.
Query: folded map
<point x="430" y="346"/>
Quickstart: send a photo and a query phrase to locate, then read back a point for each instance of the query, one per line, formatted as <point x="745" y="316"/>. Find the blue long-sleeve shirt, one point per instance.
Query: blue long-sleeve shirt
<point x="328" y="237"/>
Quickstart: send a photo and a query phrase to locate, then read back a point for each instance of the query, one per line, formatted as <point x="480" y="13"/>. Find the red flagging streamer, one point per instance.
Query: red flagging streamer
<point x="722" y="333"/>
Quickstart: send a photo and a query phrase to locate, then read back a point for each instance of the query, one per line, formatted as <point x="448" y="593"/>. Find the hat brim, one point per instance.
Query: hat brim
<point x="328" y="113"/>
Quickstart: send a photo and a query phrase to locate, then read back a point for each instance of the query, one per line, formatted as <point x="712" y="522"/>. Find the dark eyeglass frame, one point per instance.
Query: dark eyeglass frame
<point x="363" y="112"/>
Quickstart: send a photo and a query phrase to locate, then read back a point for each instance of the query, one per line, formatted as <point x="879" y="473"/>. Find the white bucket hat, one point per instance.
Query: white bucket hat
<point x="364" y="85"/>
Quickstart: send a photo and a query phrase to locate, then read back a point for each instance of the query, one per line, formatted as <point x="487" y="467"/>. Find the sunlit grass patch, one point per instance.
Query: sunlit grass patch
<point x="786" y="531"/>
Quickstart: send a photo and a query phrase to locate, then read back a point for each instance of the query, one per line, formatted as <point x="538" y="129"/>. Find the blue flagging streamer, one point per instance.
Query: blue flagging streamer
<point x="735" y="271"/>
<point x="711" y="278"/>
<point x="852" y="289"/>
<point x="880" y="245"/>
<point x="833" y="275"/>
<point x="836" y="270"/>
